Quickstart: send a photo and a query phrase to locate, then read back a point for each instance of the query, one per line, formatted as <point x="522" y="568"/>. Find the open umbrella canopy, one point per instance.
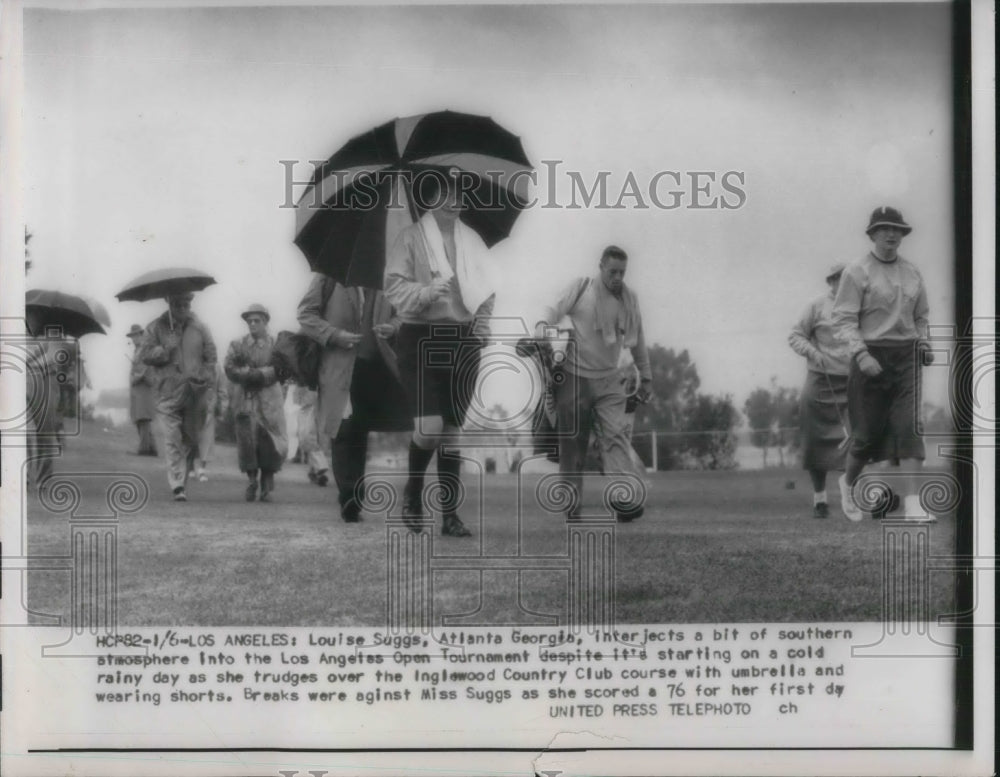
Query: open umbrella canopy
<point x="164" y="283"/>
<point x="363" y="195"/>
<point x="48" y="308"/>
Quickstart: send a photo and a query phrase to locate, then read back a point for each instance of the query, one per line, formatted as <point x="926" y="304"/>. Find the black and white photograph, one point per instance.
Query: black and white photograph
<point x="388" y="387"/>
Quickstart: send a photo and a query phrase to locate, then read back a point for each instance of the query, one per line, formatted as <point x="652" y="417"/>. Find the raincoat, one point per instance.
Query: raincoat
<point x="257" y="403"/>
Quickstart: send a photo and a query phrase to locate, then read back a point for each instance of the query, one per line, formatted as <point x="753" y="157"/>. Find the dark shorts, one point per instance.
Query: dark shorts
<point x="883" y="409"/>
<point x="378" y="401"/>
<point x="823" y="417"/>
<point x="438" y="366"/>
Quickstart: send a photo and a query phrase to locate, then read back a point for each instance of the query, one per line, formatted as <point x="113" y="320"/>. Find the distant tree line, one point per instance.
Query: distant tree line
<point x="773" y="417"/>
<point x="693" y="430"/>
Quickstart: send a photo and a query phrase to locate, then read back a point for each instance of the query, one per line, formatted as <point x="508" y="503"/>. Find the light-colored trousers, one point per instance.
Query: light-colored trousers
<point x="598" y="403"/>
<point x="181" y="423"/>
<point x="202" y="453"/>
<point x="309" y="439"/>
<point x="206" y="441"/>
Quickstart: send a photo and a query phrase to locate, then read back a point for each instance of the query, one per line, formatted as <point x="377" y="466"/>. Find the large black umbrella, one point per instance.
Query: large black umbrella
<point x="56" y="308"/>
<point x="359" y="199"/>
<point x="163" y="283"/>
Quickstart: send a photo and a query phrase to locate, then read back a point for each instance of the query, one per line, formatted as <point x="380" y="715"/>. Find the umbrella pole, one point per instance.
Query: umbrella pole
<point x="411" y="206"/>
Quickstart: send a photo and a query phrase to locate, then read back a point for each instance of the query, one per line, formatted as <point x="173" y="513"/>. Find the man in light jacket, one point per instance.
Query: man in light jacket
<point x="183" y="352"/>
<point x="605" y="319"/>
<point x="142" y="397"/>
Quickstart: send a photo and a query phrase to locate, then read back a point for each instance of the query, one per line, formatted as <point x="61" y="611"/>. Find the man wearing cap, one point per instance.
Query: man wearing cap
<point x="142" y="398"/>
<point x="880" y="311"/>
<point x="824" y="395"/>
<point x="359" y="388"/>
<point x="182" y="351"/>
<point x="605" y="319"/>
<point x="258" y="405"/>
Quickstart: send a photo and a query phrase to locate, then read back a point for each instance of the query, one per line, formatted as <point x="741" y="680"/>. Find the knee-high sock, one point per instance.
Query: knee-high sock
<point x="419" y="458"/>
<point x="450" y="472"/>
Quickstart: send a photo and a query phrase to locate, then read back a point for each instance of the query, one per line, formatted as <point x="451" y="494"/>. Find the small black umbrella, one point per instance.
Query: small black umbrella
<point x="68" y="311"/>
<point x="359" y="199"/>
<point x="164" y="283"/>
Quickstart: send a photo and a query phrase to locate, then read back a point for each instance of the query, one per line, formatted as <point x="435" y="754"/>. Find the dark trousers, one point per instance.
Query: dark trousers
<point x="350" y="451"/>
<point x="883" y="408"/>
<point x="378" y="404"/>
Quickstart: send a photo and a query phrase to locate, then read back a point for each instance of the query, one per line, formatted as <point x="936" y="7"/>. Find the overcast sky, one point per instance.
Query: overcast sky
<point x="153" y="138"/>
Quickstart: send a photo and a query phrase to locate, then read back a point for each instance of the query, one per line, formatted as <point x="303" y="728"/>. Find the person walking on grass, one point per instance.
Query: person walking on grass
<point x="437" y="280"/>
<point x="44" y="422"/>
<point x="880" y="312"/>
<point x="605" y="319"/>
<point x="216" y="402"/>
<point x="181" y="349"/>
<point x="258" y="405"/>
<point x="824" y="395"/>
<point x="309" y="447"/>
<point x="359" y="390"/>
<point x="142" y="397"/>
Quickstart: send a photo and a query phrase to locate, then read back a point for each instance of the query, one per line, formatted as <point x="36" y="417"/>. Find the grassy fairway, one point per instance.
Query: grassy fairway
<point x="712" y="546"/>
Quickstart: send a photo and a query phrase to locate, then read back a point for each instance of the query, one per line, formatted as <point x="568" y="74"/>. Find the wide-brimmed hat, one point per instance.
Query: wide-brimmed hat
<point x="887" y="217"/>
<point x="136" y="331"/>
<point x="255" y="309"/>
<point x="184" y="296"/>
<point x="836" y="269"/>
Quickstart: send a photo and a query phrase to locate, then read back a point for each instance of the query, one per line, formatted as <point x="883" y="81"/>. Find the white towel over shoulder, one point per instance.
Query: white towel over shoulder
<point x="474" y="283"/>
